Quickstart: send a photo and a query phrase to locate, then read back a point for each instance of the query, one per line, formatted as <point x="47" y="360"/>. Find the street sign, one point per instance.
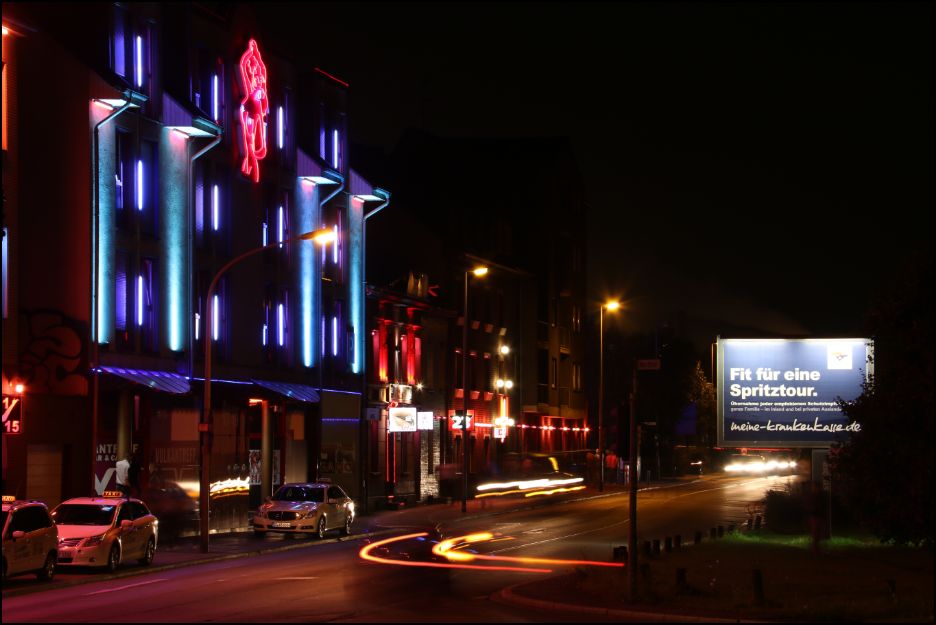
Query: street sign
<point x="648" y="364"/>
<point x="12" y="414"/>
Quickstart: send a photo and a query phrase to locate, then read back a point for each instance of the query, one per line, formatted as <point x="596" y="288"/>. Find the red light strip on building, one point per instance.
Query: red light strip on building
<point x="338" y="80"/>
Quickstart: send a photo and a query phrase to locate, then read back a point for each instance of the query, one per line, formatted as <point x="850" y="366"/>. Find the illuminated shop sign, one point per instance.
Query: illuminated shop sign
<point x="253" y="111"/>
<point x="780" y="392"/>
<point x="424" y="420"/>
<point x="12" y="414"/>
<point x="401" y="420"/>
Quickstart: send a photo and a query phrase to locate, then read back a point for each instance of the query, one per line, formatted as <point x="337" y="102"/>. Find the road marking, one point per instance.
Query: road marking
<point x="98" y="592"/>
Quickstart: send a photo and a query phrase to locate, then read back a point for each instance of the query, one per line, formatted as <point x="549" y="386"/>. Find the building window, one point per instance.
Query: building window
<point x="282" y="319"/>
<point x="576" y="376"/>
<point x="146" y="200"/>
<point x="121" y="299"/>
<point x="206" y="85"/>
<point x="130" y="49"/>
<point x="554" y="373"/>
<point x="146" y="305"/>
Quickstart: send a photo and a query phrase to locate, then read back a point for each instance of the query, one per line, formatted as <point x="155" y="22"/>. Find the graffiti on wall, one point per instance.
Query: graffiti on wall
<point x="54" y="355"/>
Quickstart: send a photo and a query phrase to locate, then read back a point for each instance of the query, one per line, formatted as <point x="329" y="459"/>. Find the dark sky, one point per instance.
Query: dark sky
<point x="765" y="163"/>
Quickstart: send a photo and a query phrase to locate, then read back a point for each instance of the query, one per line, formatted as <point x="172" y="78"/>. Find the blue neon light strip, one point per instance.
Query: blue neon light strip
<point x="335" y="245"/>
<point x="280" y="325"/>
<point x="334" y="336"/>
<point x="139" y="300"/>
<point x="139" y="61"/>
<point x="214" y="97"/>
<point x="215" y="217"/>
<point x="335" y="149"/>
<point x="264" y="334"/>
<point x="215" y="319"/>
<point x="280" y="227"/>
<point x="279" y="127"/>
<point x="139" y="185"/>
<point x="197" y="324"/>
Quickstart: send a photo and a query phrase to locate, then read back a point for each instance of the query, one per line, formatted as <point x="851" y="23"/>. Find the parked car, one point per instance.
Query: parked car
<point x="30" y="538"/>
<point x="305" y="508"/>
<point x="105" y="531"/>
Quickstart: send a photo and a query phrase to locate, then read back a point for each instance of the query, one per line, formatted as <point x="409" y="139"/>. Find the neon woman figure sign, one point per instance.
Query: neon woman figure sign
<point x="254" y="108"/>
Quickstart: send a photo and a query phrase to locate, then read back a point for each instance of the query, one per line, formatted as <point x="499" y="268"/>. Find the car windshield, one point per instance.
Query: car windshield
<point x="84" y="514"/>
<point x="300" y="493"/>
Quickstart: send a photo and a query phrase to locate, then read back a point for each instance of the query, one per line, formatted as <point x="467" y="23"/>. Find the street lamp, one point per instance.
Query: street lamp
<point x="611" y="305"/>
<point x="322" y="237"/>
<point x="477" y="271"/>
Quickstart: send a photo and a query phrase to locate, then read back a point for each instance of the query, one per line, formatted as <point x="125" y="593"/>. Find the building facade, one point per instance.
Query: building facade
<point x="155" y="191"/>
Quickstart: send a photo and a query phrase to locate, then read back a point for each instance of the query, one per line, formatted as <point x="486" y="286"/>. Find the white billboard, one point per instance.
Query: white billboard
<point x="401" y="419"/>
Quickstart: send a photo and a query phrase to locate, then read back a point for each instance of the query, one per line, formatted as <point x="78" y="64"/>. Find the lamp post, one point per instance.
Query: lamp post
<point x="478" y="271"/>
<point x="611" y="305"/>
<point x="321" y="237"/>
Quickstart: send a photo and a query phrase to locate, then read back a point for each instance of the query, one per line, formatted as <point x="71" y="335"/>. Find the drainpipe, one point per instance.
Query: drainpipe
<point x="364" y="434"/>
<point x="130" y="98"/>
<point x="190" y="220"/>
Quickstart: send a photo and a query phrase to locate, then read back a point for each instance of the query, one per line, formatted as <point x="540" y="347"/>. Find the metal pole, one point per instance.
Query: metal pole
<point x="601" y="399"/>
<point x="464" y="424"/>
<point x="632" y="476"/>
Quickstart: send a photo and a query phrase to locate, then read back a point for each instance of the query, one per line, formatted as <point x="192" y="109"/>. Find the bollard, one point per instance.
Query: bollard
<point x="656" y="546"/>
<point x="647" y="551"/>
<point x="668" y="545"/>
<point x="677" y="543"/>
<point x="698" y="537"/>
<point x="757" y="522"/>
<point x="712" y="533"/>
<point x="758" y="581"/>
<point x="721" y="531"/>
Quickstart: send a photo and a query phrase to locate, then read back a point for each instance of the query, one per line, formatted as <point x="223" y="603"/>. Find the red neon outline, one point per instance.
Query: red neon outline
<point x="324" y="73"/>
<point x="254" y="107"/>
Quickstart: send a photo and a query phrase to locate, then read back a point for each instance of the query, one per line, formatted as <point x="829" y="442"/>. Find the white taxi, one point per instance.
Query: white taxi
<point x="30" y="538"/>
<point x="105" y="531"/>
<point x="305" y="508"/>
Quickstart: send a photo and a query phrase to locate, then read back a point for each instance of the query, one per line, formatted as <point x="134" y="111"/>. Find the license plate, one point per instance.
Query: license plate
<point x="282" y="524"/>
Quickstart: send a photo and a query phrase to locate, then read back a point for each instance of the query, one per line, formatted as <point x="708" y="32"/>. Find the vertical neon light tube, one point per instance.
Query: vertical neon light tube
<point x="139" y="300"/>
<point x="335" y="245"/>
<point x="265" y="236"/>
<point x="280" y="227"/>
<point x="323" y="335"/>
<point x="335" y="149"/>
<point x="139" y="61"/>
<point x="280" y="325"/>
<point x="279" y="127"/>
<point x="216" y="320"/>
<point x="264" y="334"/>
<point x="214" y="97"/>
<point x="215" y="208"/>
<point x="197" y="324"/>
<point x="334" y="336"/>
<point x="139" y="185"/>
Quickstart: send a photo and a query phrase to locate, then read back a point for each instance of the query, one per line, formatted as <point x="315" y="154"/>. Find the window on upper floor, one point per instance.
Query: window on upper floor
<point x="146" y="309"/>
<point x="207" y="84"/>
<point x="131" y="49"/>
<point x="576" y="376"/>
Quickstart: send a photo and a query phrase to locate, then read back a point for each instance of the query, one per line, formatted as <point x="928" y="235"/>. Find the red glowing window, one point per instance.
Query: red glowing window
<point x="254" y="108"/>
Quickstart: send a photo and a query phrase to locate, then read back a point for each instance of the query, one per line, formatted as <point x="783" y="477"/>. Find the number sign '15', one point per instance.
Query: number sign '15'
<point x="12" y="414"/>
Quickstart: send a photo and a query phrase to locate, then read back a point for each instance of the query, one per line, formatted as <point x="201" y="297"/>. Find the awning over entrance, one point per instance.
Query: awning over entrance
<point x="158" y="380"/>
<point x="299" y="392"/>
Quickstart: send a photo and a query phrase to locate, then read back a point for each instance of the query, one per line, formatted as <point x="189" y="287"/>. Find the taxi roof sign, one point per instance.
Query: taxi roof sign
<point x="112" y="493"/>
<point x="9" y="498"/>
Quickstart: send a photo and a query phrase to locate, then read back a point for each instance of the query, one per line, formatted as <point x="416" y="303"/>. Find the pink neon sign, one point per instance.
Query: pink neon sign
<point x="254" y="108"/>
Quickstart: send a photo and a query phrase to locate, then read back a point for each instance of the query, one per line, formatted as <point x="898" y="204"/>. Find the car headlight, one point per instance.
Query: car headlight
<point x="94" y="541"/>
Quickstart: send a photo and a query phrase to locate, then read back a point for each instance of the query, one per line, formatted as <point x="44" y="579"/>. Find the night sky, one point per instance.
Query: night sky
<point x="763" y="164"/>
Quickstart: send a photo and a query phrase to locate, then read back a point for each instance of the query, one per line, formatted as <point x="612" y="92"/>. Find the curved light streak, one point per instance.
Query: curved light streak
<point x="365" y="553"/>
<point x="447" y="548"/>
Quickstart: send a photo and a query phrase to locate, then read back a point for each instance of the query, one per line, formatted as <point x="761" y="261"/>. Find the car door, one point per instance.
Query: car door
<point x="130" y="537"/>
<point x="143" y="523"/>
<point x="336" y="510"/>
<point x="27" y="552"/>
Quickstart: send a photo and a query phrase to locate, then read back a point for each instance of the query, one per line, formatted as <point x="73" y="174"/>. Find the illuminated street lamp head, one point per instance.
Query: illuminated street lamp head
<point x="480" y="271"/>
<point x="508" y="384"/>
<point x="613" y="305"/>
<point x="19" y="389"/>
<point x="504" y="350"/>
<point x="499" y="383"/>
<point x="321" y="236"/>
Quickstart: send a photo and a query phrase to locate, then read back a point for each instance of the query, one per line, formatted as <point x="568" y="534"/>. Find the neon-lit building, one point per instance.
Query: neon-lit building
<point x="165" y="141"/>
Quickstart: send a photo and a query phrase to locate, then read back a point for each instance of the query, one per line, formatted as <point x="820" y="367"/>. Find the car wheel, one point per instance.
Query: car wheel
<point x="347" y="525"/>
<point x="47" y="572"/>
<point x="150" y="552"/>
<point x="322" y="528"/>
<point x="113" y="559"/>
